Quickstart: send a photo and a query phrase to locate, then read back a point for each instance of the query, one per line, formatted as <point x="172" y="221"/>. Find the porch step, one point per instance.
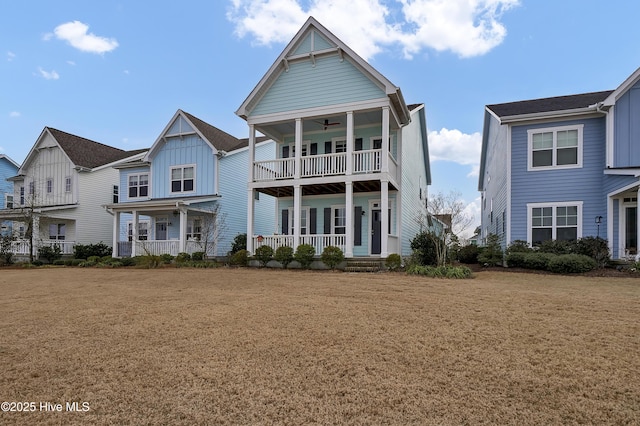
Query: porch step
<point x="363" y="266"/>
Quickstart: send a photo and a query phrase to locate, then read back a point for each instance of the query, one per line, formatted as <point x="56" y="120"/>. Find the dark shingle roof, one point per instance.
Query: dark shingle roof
<point x="87" y="153"/>
<point x="223" y="141"/>
<point x="558" y="103"/>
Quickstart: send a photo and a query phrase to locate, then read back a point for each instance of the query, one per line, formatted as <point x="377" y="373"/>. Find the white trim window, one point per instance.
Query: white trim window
<point x="338" y="220"/>
<point x="339" y="144"/>
<point x="183" y="179"/>
<point x="554" y="221"/>
<point x="555" y="147"/>
<point x="49" y="186"/>
<point x="57" y="231"/>
<point x="67" y="184"/>
<point x="194" y="229"/>
<point x="139" y="185"/>
<point x="8" y="201"/>
<point x="143" y="230"/>
<point x="304" y="221"/>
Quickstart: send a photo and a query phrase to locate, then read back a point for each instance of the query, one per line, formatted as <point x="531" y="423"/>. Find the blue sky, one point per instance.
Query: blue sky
<point x="116" y="72"/>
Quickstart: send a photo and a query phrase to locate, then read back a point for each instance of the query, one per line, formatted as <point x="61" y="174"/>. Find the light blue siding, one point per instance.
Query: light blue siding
<point x="329" y="82"/>
<point x="182" y="151"/>
<point x="627" y="128"/>
<point x="577" y="184"/>
<point x="233" y="189"/>
<point x="7" y="170"/>
<point x="123" y="191"/>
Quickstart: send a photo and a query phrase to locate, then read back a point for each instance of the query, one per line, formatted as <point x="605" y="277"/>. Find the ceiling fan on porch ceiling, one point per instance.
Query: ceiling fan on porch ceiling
<point x="326" y="123"/>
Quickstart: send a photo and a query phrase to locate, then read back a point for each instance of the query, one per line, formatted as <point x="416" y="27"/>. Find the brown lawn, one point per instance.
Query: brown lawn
<point x="248" y="346"/>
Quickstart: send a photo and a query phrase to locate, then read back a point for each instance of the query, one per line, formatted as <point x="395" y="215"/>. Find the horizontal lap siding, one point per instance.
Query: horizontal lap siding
<point x="329" y="82"/>
<point x="495" y="181"/>
<point x="93" y="223"/>
<point x="579" y="184"/>
<point x="7" y="170"/>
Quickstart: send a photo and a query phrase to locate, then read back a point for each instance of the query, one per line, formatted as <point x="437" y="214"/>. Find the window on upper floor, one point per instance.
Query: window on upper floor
<point x="183" y="179"/>
<point x="554" y="221"/>
<point x="555" y="147"/>
<point x="31" y="188"/>
<point x="116" y="194"/>
<point x="49" y="186"/>
<point x="22" y="195"/>
<point x="8" y="201"/>
<point x="67" y="184"/>
<point x="138" y="185"/>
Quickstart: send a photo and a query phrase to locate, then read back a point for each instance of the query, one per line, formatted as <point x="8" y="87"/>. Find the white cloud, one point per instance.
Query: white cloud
<point x="10" y="56"/>
<point x="472" y="210"/>
<point x="72" y="63"/>
<point x="464" y="27"/>
<point x="14" y="114"/>
<point x="76" y="34"/>
<point x="48" y="75"/>
<point x="453" y="145"/>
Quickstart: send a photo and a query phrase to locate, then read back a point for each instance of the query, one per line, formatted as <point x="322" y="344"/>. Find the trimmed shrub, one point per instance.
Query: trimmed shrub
<point x="284" y="255"/>
<point x="197" y="255"/>
<point x="166" y="258"/>
<point x="239" y="258"/>
<point x="393" y="262"/>
<point x="183" y="257"/>
<point x="263" y="254"/>
<point x="84" y="251"/>
<point x="304" y="255"/>
<point x="557" y="247"/>
<point x="537" y="260"/>
<point x="516" y="259"/>
<point x="571" y="264"/>
<point x="594" y="247"/>
<point x="518" y="246"/>
<point x="468" y="254"/>
<point x="239" y="243"/>
<point x="332" y="256"/>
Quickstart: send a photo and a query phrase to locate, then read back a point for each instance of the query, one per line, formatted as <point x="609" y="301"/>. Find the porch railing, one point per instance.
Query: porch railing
<point x="158" y="247"/>
<point x="21" y="247"/>
<point x="319" y="242"/>
<point x="324" y="165"/>
<point x="368" y="161"/>
<point x="282" y="168"/>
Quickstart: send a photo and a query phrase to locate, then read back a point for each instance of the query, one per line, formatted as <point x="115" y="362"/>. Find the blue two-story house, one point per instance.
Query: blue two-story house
<point x="8" y="169"/>
<point x="563" y="168"/>
<point x="352" y="163"/>
<point x="188" y="193"/>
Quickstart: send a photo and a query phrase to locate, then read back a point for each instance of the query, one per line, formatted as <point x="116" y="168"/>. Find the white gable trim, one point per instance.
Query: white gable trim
<point x="161" y="139"/>
<point x="34" y="148"/>
<point x="626" y="85"/>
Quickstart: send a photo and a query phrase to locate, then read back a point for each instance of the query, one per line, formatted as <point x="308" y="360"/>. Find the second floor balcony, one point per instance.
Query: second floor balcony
<point x="335" y="164"/>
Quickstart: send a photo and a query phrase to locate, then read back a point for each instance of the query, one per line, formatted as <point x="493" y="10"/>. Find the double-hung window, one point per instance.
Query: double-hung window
<point x="555" y="147"/>
<point x="143" y="231"/>
<point x="194" y="229"/>
<point x="67" y="184"/>
<point x="8" y="201"/>
<point x="304" y="221"/>
<point x="22" y="195"/>
<point x="138" y="185"/>
<point x="554" y="221"/>
<point x="183" y="179"/>
<point x="57" y="231"/>
<point x="339" y="216"/>
<point x="49" y="186"/>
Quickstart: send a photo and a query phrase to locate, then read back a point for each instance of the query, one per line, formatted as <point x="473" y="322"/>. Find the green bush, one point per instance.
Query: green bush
<point x="183" y="257"/>
<point x="239" y="258"/>
<point x="94" y="259"/>
<point x="451" y="272"/>
<point x="424" y="248"/>
<point x="468" y="254"/>
<point x="239" y="243"/>
<point x="516" y="259"/>
<point x="128" y="261"/>
<point x="50" y="253"/>
<point x="594" y="247"/>
<point x="263" y="254"/>
<point x="304" y="255"/>
<point x="491" y="254"/>
<point x="284" y="255"/>
<point x="166" y="258"/>
<point x="557" y="247"/>
<point x="82" y="251"/>
<point x="332" y="256"/>
<point x="150" y="261"/>
<point x="197" y="255"/>
<point x="571" y="264"/>
<point x="537" y="260"/>
<point x="518" y="246"/>
<point x="393" y="262"/>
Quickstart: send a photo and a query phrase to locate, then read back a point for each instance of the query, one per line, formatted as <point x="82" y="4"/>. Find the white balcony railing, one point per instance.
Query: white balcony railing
<point x="282" y="168"/>
<point x="368" y="161"/>
<point x="324" y="165"/>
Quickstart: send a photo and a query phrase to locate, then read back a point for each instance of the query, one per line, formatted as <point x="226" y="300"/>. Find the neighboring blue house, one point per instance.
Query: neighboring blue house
<point x="563" y="168"/>
<point x="8" y="168"/>
<point x="352" y="165"/>
<point x="188" y="193"/>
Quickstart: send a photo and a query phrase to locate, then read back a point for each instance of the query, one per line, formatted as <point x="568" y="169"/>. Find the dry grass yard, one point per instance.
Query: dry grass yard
<point x="247" y="346"/>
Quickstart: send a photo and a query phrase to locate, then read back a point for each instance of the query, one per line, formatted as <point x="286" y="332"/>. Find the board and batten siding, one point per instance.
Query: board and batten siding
<point x="234" y="175"/>
<point x="50" y="164"/>
<point x="414" y="189"/>
<point x="495" y="198"/>
<point x="331" y="81"/>
<point x="547" y="186"/>
<point x="179" y="151"/>
<point x="627" y="128"/>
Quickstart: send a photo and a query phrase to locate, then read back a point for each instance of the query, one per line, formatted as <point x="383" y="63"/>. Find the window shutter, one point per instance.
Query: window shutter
<point x="358" y="146"/>
<point x="327" y="147"/>
<point x="285" y="151"/>
<point x="285" y="222"/>
<point x="313" y="213"/>
<point x="357" y="225"/>
<point x="314" y="149"/>
<point x="389" y="221"/>
<point x="327" y="220"/>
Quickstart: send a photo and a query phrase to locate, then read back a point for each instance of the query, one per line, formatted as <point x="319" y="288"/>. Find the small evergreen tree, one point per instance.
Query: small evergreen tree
<point x="492" y="254"/>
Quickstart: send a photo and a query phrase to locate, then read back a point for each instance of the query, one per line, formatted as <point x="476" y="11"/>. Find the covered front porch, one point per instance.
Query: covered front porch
<point x="166" y="227"/>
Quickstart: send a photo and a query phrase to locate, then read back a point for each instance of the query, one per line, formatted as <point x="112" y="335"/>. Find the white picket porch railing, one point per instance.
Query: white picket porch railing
<point x="324" y="165"/>
<point x="282" y="168"/>
<point x="319" y="242"/>
<point x="21" y="247"/>
<point x="368" y="161"/>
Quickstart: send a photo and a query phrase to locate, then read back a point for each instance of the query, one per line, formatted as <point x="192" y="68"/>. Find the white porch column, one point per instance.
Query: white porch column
<point x="116" y="234"/>
<point x="385" y="140"/>
<point x="134" y="232"/>
<point x="348" y="252"/>
<point x="183" y="231"/>
<point x="35" y="234"/>
<point x="298" y="149"/>
<point x="297" y="213"/>
<point x="384" y="206"/>
<point x="638" y="224"/>
<point x="252" y="151"/>
<point x="250" y="217"/>
<point x="350" y="143"/>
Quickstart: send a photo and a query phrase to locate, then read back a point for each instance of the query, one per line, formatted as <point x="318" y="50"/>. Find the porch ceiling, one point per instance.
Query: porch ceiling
<point x="325" y="189"/>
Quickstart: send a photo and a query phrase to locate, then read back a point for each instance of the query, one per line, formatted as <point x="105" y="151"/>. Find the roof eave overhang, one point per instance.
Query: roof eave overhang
<point x="549" y="115"/>
<point x="160" y="204"/>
